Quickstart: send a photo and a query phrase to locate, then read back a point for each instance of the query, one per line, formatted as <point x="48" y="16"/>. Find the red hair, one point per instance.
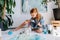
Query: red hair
<point x="38" y="16"/>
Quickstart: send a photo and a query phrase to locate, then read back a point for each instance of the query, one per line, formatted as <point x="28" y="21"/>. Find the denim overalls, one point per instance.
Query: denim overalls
<point x="34" y="23"/>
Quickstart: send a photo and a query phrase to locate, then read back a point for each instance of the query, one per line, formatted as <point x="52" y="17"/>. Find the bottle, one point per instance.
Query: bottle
<point x="45" y="30"/>
<point x="0" y="34"/>
<point x="50" y="28"/>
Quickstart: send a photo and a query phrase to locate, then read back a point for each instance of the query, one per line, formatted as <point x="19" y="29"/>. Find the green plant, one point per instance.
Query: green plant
<point x="57" y="3"/>
<point x="6" y="7"/>
<point x="44" y="2"/>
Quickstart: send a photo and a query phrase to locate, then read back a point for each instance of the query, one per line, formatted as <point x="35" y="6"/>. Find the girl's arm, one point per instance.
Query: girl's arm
<point x="22" y="25"/>
<point x="41" y="23"/>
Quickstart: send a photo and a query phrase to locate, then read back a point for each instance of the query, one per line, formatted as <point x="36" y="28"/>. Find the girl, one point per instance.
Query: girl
<point x="34" y="22"/>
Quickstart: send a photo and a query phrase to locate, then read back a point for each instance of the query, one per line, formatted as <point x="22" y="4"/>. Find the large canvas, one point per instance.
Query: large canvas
<point x="27" y="5"/>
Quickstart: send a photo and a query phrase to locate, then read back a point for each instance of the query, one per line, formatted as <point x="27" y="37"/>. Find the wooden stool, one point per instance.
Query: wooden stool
<point x="56" y="23"/>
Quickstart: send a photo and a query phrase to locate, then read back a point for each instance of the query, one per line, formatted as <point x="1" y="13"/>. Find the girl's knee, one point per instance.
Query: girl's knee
<point x="39" y="31"/>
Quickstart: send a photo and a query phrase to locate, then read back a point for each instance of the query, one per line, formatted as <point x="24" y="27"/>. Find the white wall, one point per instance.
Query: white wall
<point x="48" y="16"/>
<point x="19" y="18"/>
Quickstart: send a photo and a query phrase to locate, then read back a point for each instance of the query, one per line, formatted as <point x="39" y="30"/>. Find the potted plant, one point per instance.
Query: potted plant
<point x="57" y="3"/>
<point x="6" y="8"/>
<point x="44" y="2"/>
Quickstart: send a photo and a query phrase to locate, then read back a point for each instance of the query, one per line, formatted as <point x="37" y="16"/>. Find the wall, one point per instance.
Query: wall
<point x="19" y="17"/>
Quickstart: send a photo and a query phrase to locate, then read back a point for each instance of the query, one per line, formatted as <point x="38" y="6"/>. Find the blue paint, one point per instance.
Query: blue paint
<point x="45" y="31"/>
<point x="30" y="37"/>
<point x="10" y="33"/>
<point x="37" y="37"/>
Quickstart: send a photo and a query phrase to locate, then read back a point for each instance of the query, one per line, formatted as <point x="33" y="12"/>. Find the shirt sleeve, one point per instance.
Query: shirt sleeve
<point x="42" y="21"/>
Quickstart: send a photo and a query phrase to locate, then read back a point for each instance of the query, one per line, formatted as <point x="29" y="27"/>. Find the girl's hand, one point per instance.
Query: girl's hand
<point x="15" y="29"/>
<point x="39" y="24"/>
<point x="27" y="21"/>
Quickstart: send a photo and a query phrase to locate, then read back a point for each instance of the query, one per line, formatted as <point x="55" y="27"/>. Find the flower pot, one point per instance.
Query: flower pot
<point x="3" y="28"/>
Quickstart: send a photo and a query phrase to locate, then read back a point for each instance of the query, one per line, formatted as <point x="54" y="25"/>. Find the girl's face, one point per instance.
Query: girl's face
<point x="34" y="14"/>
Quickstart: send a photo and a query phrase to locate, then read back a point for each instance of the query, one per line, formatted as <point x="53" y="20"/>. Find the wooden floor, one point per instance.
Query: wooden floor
<point x="0" y="38"/>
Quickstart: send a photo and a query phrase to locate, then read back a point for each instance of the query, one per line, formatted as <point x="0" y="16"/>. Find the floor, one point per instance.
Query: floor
<point x="45" y="36"/>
